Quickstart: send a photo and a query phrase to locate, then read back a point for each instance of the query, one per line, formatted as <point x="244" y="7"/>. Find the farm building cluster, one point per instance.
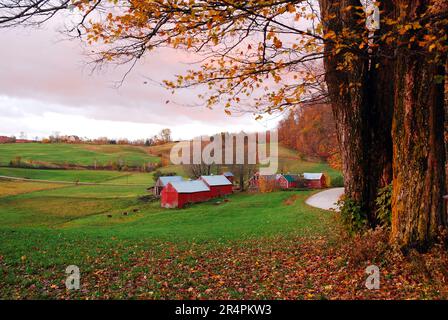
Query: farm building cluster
<point x="175" y="192"/>
<point x="263" y="183"/>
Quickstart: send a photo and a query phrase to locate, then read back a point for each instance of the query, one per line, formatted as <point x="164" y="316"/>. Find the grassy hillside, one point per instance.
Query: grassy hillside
<point x="86" y="208"/>
<point x="89" y="176"/>
<point x="9" y="188"/>
<point x="76" y="154"/>
<point x="62" y="175"/>
<point x="161" y="150"/>
<point x="86" y="155"/>
<point x="290" y="161"/>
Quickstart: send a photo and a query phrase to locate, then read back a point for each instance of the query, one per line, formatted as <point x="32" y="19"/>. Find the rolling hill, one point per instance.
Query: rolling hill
<point x="83" y="155"/>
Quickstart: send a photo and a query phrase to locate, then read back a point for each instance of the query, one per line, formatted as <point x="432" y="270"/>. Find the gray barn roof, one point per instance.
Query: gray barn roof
<point x="313" y="176"/>
<point x="228" y="174"/>
<point x="165" y="180"/>
<point x="190" y="186"/>
<point x="214" y="181"/>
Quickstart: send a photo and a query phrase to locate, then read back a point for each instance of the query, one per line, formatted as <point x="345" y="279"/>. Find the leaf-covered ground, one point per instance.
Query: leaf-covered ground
<point x="271" y="268"/>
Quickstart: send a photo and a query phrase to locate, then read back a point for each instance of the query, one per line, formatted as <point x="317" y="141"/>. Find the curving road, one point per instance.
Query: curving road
<point x="326" y="199"/>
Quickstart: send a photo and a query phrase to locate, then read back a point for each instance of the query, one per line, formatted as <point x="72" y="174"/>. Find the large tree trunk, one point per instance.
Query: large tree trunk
<point x="446" y="126"/>
<point x="347" y="101"/>
<point x="419" y="149"/>
<point x="363" y="122"/>
<point x="379" y="111"/>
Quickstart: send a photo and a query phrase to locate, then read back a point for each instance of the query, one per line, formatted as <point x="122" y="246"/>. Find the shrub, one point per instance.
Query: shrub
<point x="370" y="247"/>
<point x="384" y="205"/>
<point x="328" y="180"/>
<point x="16" y="162"/>
<point x="337" y="182"/>
<point x="267" y="185"/>
<point x="157" y="174"/>
<point x="354" y="219"/>
<point x="148" y="198"/>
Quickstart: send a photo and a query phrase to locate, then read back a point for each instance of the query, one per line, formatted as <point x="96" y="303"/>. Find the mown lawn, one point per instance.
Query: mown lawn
<point x="76" y="154"/>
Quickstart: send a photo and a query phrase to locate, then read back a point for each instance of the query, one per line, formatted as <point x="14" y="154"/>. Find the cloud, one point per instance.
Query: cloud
<point x="41" y="75"/>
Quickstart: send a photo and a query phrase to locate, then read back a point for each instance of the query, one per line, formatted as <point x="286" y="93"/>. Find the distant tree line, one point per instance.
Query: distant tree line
<point x="311" y="130"/>
<point x="163" y="137"/>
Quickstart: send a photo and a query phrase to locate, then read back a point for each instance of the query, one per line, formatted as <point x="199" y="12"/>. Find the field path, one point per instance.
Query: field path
<point x="326" y="199"/>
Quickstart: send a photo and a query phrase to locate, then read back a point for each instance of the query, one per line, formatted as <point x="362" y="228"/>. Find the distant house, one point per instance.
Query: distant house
<point x="73" y="139"/>
<point x="254" y="182"/>
<point x="266" y="183"/>
<point x="23" y="141"/>
<point x="219" y="185"/>
<point x="315" y="180"/>
<point x="4" y="139"/>
<point x="288" y="181"/>
<point x="178" y="194"/>
<point x="229" y="176"/>
<point x="163" y="182"/>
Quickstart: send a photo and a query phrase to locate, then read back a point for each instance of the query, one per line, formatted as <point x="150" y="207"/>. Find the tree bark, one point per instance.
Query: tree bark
<point x="346" y="101"/>
<point x="379" y="111"/>
<point x="419" y="148"/>
<point x="362" y="110"/>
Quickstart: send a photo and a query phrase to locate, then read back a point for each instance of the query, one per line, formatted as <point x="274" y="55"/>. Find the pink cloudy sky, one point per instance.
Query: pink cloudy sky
<point x="45" y="86"/>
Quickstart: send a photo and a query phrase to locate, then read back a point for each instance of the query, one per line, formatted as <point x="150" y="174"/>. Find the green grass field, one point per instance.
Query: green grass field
<point x="88" y="207"/>
<point x="290" y="161"/>
<point x="43" y="230"/>
<point x="46" y="226"/>
<point x="76" y="154"/>
<point x="63" y="175"/>
<point x="88" y="176"/>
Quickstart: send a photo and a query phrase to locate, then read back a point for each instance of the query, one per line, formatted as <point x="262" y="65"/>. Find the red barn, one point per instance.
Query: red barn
<point x="315" y="180"/>
<point x="178" y="194"/>
<point x="162" y="182"/>
<point x="23" y="141"/>
<point x="219" y="185"/>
